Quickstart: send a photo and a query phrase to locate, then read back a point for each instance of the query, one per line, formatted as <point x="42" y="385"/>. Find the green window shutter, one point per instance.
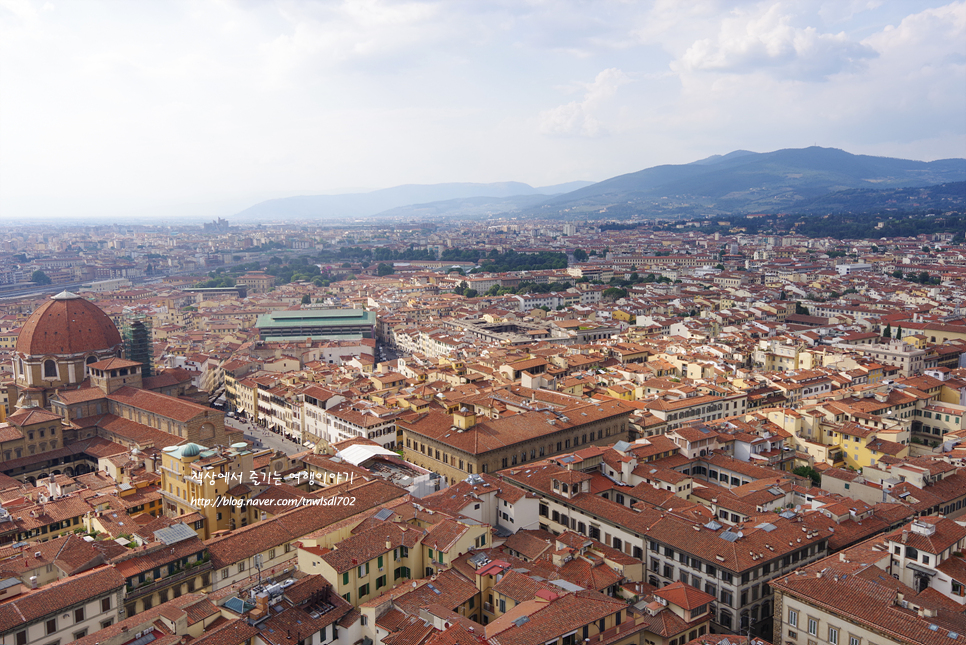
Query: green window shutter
<point x="380" y="562"/>
<point x="345" y="578"/>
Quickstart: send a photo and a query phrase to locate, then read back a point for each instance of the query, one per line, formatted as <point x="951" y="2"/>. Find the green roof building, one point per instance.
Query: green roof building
<point x="322" y="324"/>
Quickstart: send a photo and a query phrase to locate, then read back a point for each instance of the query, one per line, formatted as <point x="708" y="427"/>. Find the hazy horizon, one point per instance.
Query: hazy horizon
<point x="202" y="109"/>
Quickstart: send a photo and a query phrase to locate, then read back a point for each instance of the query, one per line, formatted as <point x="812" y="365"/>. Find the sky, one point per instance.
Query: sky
<point x="202" y="108"/>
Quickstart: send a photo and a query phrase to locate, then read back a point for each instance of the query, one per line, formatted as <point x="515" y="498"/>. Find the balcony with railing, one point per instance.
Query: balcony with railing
<point x="189" y="571"/>
<point x="618" y="633"/>
<point x="774" y="457"/>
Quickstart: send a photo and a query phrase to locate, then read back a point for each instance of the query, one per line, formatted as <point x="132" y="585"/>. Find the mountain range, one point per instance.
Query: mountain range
<point x="741" y="182"/>
<point x="378" y="201"/>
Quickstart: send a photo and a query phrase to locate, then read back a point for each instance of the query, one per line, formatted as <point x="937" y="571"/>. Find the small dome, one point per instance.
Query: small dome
<point x="191" y="450"/>
<point x="67" y="324"/>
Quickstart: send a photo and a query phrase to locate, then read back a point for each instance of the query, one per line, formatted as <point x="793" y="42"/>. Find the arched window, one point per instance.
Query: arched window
<point x="725" y="619"/>
<point x="50" y="369"/>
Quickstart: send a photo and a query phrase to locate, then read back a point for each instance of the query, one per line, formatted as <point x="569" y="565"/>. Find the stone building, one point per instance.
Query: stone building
<point x="256" y="282"/>
<point x="468" y="441"/>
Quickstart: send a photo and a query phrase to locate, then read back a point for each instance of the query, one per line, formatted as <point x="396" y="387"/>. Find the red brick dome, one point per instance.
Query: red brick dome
<point x="67" y="324"/>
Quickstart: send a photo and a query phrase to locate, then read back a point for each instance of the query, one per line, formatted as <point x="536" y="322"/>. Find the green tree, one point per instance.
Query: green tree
<point x="215" y="283"/>
<point x="471" y="293"/>
<point x="719" y="266"/>
<point x="897" y="274"/>
<point x="580" y="255"/>
<point x="306" y="299"/>
<point x="40" y="277"/>
<point x="887" y="332"/>
<point x="614" y="293"/>
<point x="802" y="310"/>
<point x="899" y="332"/>
<point x="811" y="473"/>
<point x="384" y="269"/>
<point x="923" y="277"/>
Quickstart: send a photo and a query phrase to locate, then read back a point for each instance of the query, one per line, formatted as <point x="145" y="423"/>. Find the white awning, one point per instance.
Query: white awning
<point x="358" y="453"/>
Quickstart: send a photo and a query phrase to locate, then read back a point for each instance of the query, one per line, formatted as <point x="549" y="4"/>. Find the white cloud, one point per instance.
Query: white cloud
<point x="581" y="118"/>
<point x="769" y="39"/>
<point x="927" y="34"/>
<point x="201" y="99"/>
<point x="22" y="9"/>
